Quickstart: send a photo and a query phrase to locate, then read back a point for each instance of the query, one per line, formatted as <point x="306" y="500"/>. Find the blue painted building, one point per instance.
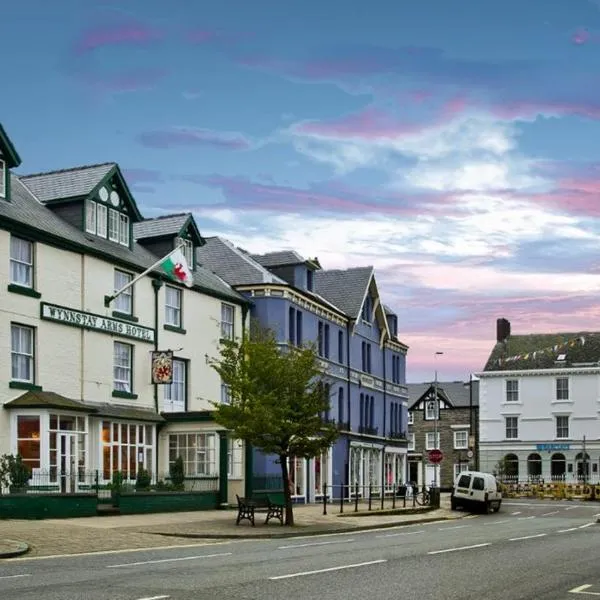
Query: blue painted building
<point x="365" y="364"/>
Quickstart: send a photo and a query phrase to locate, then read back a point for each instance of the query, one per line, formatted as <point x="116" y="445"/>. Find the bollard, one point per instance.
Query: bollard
<point x="394" y="497"/>
<point x="342" y="498"/>
<point x="356" y="497"/>
<point x="370" y="495"/>
<point x="324" y="498"/>
<point x="382" y="497"/>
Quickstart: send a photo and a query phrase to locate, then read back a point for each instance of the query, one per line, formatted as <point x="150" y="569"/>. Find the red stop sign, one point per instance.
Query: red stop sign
<point x="435" y="456"/>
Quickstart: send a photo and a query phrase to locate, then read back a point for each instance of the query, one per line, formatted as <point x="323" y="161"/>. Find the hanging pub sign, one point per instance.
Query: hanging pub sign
<point x="162" y="367"/>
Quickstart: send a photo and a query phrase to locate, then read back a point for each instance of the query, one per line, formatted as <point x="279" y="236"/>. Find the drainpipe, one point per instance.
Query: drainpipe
<point x="384" y="423"/>
<point x="156" y="285"/>
<point x="348" y="402"/>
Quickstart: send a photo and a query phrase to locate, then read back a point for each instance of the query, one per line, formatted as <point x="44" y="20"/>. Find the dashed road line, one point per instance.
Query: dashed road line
<point x="525" y="518"/>
<point x="385" y="535"/>
<point x="453" y="527"/>
<point x="498" y="522"/>
<point x="554" y="512"/>
<point x="582" y="589"/>
<point x="459" y="548"/>
<point x="566" y="530"/>
<point x="586" y="525"/>
<point x="329" y="570"/>
<point x="155" y="598"/>
<point x="166" y="560"/>
<point x="516" y="513"/>
<point x="528" y="537"/>
<point x="15" y="576"/>
<point x="315" y="544"/>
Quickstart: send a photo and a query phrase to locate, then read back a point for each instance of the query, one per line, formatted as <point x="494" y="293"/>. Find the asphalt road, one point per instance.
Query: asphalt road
<point x="529" y="550"/>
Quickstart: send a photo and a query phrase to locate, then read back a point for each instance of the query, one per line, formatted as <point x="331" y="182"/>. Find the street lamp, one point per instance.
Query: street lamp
<point x="436" y="416"/>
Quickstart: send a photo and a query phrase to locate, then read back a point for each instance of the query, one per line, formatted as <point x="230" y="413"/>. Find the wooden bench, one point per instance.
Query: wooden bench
<point x="267" y="503"/>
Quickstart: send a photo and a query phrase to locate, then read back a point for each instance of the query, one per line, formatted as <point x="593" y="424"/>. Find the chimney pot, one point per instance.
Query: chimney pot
<point x="502" y="330"/>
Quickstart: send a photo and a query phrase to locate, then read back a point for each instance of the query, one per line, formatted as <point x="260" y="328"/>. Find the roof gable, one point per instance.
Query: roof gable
<point x="178" y="225"/>
<point x="8" y="151"/>
<point x="344" y="288"/>
<point x="281" y="258"/>
<point x="378" y="310"/>
<point x="455" y="393"/>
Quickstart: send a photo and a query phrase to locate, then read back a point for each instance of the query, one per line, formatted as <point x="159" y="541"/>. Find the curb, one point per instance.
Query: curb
<point x="19" y="549"/>
<point x="292" y="534"/>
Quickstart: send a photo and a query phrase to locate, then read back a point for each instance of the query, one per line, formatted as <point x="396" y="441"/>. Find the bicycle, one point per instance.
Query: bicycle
<point x="423" y="498"/>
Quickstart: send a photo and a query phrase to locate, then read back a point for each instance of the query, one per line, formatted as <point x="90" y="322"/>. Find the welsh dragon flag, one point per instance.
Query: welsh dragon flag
<point x="175" y="266"/>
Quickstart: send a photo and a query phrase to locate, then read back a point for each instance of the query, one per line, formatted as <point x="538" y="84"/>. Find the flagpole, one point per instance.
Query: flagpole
<point x="109" y="299"/>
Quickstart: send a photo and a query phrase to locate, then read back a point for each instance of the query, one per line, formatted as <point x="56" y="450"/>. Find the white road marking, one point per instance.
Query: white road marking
<point x="166" y="560"/>
<point x="586" y="525"/>
<point x="527" y="537"/>
<point x="15" y="576"/>
<point x="554" y="512"/>
<point x="525" y="518"/>
<point x="454" y="527"/>
<point x="516" y="513"/>
<point x="401" y="533"/>
<point x="154" y="598"/>
<point x="498" y="522"/>
<point x="582" y="590"/>
<point x="364" y="564"/>
<point x="315" y="544"/>
<point x="459" y="548"/>
<point x="570" y="529"/>
<point x="571" y="507"/>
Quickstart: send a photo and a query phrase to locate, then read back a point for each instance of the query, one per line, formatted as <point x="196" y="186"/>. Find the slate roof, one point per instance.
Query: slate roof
<point x="66" y="183"/>
<point x="388" y="310"/>
<point x="160" y="226"/>
<point x="25" y="209"/>
<point x="279" y="259"/>
<point x="234" y="265"/>
<point x="540" y="351"/>
<point x="457" y="392"/>
<point x="344" y="288"/>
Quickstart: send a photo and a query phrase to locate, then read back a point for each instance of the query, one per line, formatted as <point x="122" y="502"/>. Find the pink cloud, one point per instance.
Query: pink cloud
<point x="581" y="36"/>
<point x="193" y="137"/>
<point x="133" y="33"/>
<point x="530" y="109"/>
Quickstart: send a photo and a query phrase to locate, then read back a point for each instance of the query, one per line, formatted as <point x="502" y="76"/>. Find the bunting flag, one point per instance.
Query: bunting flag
<point x="557" y="348"/>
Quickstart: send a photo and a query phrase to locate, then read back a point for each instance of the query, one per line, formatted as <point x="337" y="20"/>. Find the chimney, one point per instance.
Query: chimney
<point x="502" y="330"/>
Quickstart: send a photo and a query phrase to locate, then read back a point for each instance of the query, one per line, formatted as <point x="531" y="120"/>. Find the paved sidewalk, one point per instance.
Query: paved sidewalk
<point x="97" y="534"/>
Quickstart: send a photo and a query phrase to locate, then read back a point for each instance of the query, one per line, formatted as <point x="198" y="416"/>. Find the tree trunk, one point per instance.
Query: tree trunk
<point x="287" y="494"/>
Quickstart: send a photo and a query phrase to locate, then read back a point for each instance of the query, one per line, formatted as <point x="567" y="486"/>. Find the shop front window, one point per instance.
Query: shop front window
<point x="126" y="447"/>
<point x="198" y="451"/>
<point x="28" y="440"/>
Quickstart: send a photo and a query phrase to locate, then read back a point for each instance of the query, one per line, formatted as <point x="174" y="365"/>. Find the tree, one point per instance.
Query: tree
<point x="277" y="400"/>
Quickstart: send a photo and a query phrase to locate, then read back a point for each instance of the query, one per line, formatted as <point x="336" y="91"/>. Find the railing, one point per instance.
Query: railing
<point x="592" y="478"/>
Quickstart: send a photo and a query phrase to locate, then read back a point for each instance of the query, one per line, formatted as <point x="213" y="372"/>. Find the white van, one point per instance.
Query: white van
<point x="475" y="490"/>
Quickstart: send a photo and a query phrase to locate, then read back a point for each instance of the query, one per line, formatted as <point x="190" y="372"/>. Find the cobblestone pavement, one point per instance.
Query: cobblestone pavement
<point x="98" y="534"/>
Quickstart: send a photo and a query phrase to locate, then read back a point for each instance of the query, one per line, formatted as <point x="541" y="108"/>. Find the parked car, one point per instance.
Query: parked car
<point x="476" y="491"/>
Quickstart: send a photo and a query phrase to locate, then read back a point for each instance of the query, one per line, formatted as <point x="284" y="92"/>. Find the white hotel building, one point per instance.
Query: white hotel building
<point x="76" y="396"/>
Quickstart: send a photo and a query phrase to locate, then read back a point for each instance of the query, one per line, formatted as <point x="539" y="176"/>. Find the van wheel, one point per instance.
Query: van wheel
<point x="487" y="507"/>
<point x="497" y="507"/>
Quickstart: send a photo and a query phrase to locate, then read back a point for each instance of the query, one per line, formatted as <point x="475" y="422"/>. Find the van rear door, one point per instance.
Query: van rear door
<point x="464" y="484"/>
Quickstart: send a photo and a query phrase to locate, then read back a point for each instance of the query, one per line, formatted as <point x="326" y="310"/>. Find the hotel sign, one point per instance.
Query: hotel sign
<point x="550" y="447"/>
<point x="86" y="320"/>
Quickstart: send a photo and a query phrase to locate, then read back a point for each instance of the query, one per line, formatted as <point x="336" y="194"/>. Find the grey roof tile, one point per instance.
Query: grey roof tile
<point x="344" y="288"/>
<point x="159" y="226"/>
<point x="24" y="208"/>
<point x="66" y="183"/>
<point x="457" y="392"/>
<point x="234" y="265"/>
<point x="278" y="259"/>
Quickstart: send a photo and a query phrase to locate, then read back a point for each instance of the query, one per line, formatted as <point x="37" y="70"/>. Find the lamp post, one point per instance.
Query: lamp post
<point x="436" y="414"/>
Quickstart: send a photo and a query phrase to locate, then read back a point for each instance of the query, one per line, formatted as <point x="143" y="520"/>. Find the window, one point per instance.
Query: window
<point x="123" y="367"/>
<point x="340" y="346"/>
<point x="187" y="250"/>
<point x="478" y="483"/>
<point x="320" y="338"/>
<point x="366" y="309"/>
<point x="76" y="447"/>
<point x="562" y="388"/>
<point x="309" y="280"/>
<point x="341" y="405"/>
<point x="113" y="225"/>
<point x="461" y="440"/>
<point x="298" y="328"/>
<point x="460" y="468"/>
<point x="411" y="441"/>
<point x="2" y="179"/>
<point x="431" y="410"/>
<point x="90" y="217"/>
<point x="22" y="353"/>
<point x="198" y="451"/>
<point x="512" y="390"/>
<point x="432" y="440"/>
<point x="227" y="316"/>
<point x="411" y="418"/>
<point x="126" y="447"/>
<point x="28" y="440"/>
<point x="326" y="341"/>
<point x="123" y="229"/>
<point x="21" y="262"/>
<point x="234" y="459"/>
<point x="172" y="306"/>
<point x="366" y="357"/>
<point x="175" y="392"/>
<point x="512" y="428"/>
<point x="101" y="211"/>
<point x="362" y="410"/>
<point x="562" y="427"/>
<point x="225" y="394"/>
<point x="124" y="301"/>
<point x="292" y="325"/>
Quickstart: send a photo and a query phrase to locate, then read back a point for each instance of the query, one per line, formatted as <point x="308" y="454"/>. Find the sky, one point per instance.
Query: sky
<point x="452" y="144"/>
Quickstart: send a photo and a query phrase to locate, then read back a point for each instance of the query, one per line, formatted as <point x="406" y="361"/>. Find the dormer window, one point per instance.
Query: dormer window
<point x="309" y="280"/>
<point x="367" y="309"/>
<point x="188" y="251"/>
<point x="2" y="179"/>
<point x="107" y="222"/>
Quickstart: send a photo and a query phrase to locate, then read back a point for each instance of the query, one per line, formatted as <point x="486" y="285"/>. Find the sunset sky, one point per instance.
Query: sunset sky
<point x="452" y="144"/>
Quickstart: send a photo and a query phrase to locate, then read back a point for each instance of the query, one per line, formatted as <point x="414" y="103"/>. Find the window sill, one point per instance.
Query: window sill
<point x="174" y="329"/>
<point x="125" y="395"/>
<point x="562" y="401"/>
<point x="225" y="340"/>
<point x="24" y="291"/>
<point x="461" y="448"/>
<point x="124" y="316"/>
<point x="24" y="385"/>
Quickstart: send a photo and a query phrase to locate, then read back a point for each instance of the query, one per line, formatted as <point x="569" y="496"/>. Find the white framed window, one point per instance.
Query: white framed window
<point x="431" y="410"/>
<point x="126" y="447"/>
<point x="113" y="225"/>
<point x="411" y="441"/>
<point x="172" y="306"/>
<point x="562" y="427"/>
<point x="461" y="440"/>
<point x="562" y="388"/>
<point x="512" y="390"/>
<point x="411" y="418"/>
<point x="123" y="229"/>
<point x="123" y="367"/>
<point x="225" y="394"/>
<point x="234" y="459"/>
<point x="432" y="440"/>
<point x="3" y="177"/>
<point x="227" y="321"/>
<point x="101" y="220"/>
<point x="90" y="217"/>
<point x="460" y="468"/>
<point x="512" y="428"/>
<point x="21" y="262"/>
<point x="187" y="250"/>
<point x="124" y="301"/>
<point x="22" y="357"/>
<point x="198" y="451"/>
<point x="174" y="393"/>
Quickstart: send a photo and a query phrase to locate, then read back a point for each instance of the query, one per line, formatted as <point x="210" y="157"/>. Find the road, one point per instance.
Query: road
<point x="529" y="550"/>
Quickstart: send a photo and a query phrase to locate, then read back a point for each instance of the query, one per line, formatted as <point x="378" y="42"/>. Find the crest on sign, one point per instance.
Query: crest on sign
<point x="162" y="367"/>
